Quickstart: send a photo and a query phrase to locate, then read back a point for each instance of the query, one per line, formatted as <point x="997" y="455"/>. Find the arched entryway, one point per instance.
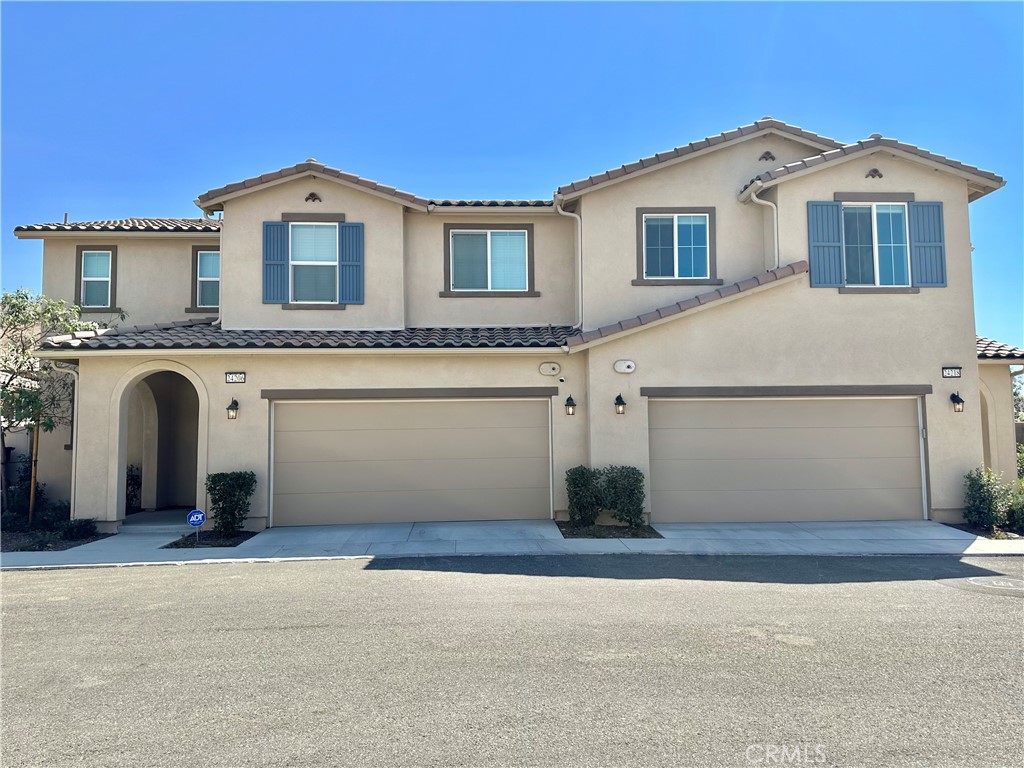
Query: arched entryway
<point x="159" y="416"/>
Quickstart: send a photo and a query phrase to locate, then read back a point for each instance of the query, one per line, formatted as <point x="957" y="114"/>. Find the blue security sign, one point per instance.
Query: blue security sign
<point x="196" y="518"/>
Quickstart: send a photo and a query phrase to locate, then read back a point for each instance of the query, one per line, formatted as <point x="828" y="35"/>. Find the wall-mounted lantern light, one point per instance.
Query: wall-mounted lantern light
<point x="570" y="406"/>
<point x="233" y="410"/>
<point x="620" y="404"/>
<point x="957" y="401"/>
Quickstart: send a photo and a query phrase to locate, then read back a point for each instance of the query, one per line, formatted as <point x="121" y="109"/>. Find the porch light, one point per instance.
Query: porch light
<point x="233" y="410"/>
<point x="620" y="404"/>
<point x="570" y="406"/>
<point x="957" y="401"/>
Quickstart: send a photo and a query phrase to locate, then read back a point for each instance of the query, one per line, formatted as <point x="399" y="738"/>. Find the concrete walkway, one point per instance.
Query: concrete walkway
<point x="138" y="544"/>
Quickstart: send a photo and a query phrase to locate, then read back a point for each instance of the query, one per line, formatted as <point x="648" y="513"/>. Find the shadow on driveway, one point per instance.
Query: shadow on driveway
<point x="738" y="568"/>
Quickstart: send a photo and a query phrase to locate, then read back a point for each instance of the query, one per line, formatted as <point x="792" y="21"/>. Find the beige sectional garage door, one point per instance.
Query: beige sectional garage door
<point x="363" y="462"/>
<point x="786" y="459"/>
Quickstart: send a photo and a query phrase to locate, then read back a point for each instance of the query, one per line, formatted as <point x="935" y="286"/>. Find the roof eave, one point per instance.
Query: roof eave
<point x="92" y="234"/>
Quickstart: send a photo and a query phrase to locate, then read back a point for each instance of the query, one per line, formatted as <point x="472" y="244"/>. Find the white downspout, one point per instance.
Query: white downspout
<point x="72" y="371"/>
<point x="579" y="257"/>
<point x="775" y="218"/>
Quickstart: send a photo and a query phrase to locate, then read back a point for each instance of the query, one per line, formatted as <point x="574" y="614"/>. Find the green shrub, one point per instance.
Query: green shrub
<point x="13" y="522"/>
<point x="624" y="494"/>
<point x="230" y="494"/>
<point x="1020" y="460"/>
<point x="985" y="499"/>
<point x="70" y="530"/>
<point x="18" y="492"/>
<point x="583" y="485"/>
<point x="132" y="489"/>
<point x="1015" y="509"/>
<point x="51" y="516"/>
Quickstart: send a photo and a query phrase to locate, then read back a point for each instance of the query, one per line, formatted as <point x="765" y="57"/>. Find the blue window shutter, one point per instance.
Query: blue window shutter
<point x="350" y="263"/>
<point x="927" y="245"/>
<point x="275" y="262"/>
<point x="825" y="243"/>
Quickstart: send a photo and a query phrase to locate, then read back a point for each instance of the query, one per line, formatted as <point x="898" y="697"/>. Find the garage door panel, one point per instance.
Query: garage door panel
<point x="781" y="474"/>
<point x="411" y="506"/>
<point x="718" y="506"/>
<point x="364" y="476"/>
<point x="791" y="442"/>
<point x="385" y="415"/>
<point x="751" y="414"/>
<point x="461" y="443"/>
<point x="787" y="459"/>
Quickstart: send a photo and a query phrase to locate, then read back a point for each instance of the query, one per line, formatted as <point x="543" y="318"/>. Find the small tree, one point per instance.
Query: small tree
<point x="230" y="494"/>
<point x="31" y="391"/>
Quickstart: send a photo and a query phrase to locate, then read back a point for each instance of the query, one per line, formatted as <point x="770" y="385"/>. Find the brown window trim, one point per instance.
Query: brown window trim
<point x="313" y="306"/>
<point x="194" y="308"/>
<point x="314" y="218"/>
<point x="873" y="197"/>
<point x="711" y="279"/>
<point x="447" y="292"/>
<point x="79" y="250"/>
<point x="855" y="289"/>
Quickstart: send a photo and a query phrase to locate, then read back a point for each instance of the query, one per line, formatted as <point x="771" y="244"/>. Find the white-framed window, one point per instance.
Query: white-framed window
<point x="676" y="246"/>
<point x="489" y="260"/>
<point x="207" y="278"/>
<point x="876" y="249"/>
<point x="96" y="270"/>
<point x="313" y="262"/>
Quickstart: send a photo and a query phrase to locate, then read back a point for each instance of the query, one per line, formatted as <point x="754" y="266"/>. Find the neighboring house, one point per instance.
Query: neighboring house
<point x="760" y="321"/>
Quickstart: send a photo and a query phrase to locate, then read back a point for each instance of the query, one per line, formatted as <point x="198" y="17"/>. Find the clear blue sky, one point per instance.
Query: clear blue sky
<point x="133" y="109"/>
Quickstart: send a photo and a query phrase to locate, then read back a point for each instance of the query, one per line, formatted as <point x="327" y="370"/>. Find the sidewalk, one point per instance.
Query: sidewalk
<point x="141" y="544"/>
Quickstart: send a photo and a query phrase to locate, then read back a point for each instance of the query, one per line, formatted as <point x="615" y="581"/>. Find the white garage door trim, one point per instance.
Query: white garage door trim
<point x="919" y="402"/>
<point x="355" y="401"/>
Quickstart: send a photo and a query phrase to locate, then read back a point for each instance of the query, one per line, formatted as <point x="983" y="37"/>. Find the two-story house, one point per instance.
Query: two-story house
<point x="766" y="322"/>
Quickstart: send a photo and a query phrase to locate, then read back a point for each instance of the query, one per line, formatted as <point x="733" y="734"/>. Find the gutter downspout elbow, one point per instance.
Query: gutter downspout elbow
<point x="72" y="371"/>
<point x="752" y="195"/>
<point x="579" y="257"/>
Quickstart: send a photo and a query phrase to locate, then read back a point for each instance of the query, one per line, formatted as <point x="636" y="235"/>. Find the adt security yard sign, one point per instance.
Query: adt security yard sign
<point x="196" y="518"/>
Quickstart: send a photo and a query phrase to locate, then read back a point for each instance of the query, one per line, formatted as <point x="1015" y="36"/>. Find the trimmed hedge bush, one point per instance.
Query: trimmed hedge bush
<point x="616" y="489"/>
<point x="69" y="530"/>
<point x="1015" y="510"/>
<point x="230" y="494"/>
<point x="986" y="499"/>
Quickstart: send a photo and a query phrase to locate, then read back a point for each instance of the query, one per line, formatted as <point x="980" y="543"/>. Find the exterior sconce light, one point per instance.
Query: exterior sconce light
<point x="233" y="410"/>
<point x="957" y="401"/>
<point x="570" y="406"/>
<point x="620" y="404"/>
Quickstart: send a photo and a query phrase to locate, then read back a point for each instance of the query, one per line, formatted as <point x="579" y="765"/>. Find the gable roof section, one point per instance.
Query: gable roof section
<point x="204" y="333"/>
<point x="986" y="181"/>
<point x="578" y="341"/>
<point x="765" y="124"/>
<point x="995" y="350"/>
<point x="125" y="225"/>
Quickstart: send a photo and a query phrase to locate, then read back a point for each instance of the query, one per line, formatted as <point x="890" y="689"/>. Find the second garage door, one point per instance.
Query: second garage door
<point x="369" y="462"/>
<point x="787" y="459"/>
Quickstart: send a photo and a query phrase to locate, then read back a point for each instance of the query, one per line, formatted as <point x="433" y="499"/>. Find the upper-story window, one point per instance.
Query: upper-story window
<point x="207" y="278"/>
<point x="97" y="276"/>
<point x="676" y="246"/>
<point x="875" y="245"/>
<point x="313" y="260"/>
<point x="494" y="260"/>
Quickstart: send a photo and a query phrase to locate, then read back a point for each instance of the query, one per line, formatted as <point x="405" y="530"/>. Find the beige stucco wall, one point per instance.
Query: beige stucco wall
<point x="714" y="179"/>
<point x="997" y="390"/>
<point x="244" y="443"/>
<point x="554" y="279"/>
<point x="154" y="275"/>
<point x="242" y="256"/>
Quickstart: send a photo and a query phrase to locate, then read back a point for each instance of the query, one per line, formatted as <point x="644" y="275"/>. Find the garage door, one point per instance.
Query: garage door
<point x="788" y="459"/>
<point x="363" y="462"/>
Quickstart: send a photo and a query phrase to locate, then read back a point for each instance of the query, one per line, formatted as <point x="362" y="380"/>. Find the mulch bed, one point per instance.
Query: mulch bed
<point x="209" y="539"/>
<point x="38" y="541"/>
<point x="572" y="531"/>
<point x="995" y="533"/>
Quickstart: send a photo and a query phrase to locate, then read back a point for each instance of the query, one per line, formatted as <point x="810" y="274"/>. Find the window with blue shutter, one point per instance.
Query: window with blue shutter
<point x="312" y="263"/>
<point x="350" y="263"/>
<point x="927" y="245"/>
<point x="825" y="241"/>
<point x="275" y="262"/>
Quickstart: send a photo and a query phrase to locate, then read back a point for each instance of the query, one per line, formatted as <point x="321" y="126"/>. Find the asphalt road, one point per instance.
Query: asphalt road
<point x="525" y="661"/>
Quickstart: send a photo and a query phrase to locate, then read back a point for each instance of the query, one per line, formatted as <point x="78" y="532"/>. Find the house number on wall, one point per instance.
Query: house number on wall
<point x="234" y="377"/>
<point x="951" y="372"/>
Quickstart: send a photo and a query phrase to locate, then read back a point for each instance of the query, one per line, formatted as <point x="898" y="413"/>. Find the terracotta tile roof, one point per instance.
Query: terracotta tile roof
<point x="874" y="142"/>
<point x="493" y="203"/>
<point x="764" y="278"/>
<point x="308" y="167"/>
<point x="205" y="334"/>
<point x="763" y="124"/>
<point x="127" y="225"/>
<point x="995" y="350"/>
